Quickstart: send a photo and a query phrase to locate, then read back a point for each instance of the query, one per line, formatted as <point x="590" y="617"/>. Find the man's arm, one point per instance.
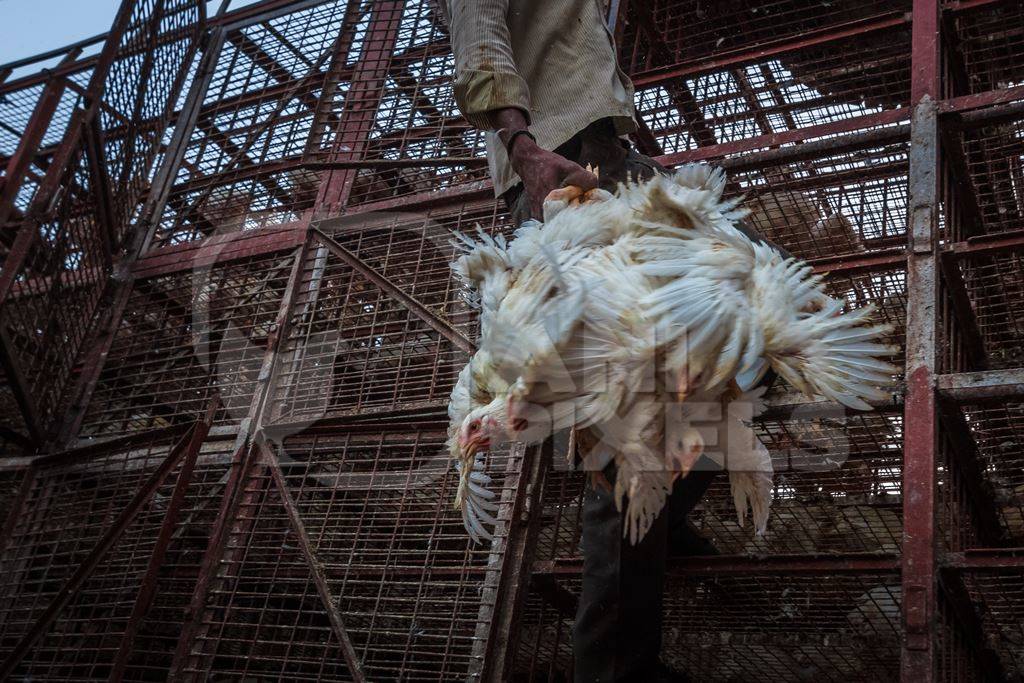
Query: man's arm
<point x="541" y="170"/>
<point x="493" y="96"/>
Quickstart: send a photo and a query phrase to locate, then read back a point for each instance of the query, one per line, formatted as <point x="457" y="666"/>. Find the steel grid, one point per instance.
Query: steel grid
<point x="327" y="108"/>
<point x="186" y="337"/>
<point x="406" y="581"/>
<point x="353" y="346"/>
<point x="88" y="522"/>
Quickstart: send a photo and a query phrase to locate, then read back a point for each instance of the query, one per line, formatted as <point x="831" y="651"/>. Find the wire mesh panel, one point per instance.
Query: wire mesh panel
<point x="354" y="346"/>
<point x="67" y="245"/>
<point x="694" y="31"/>
<point x="993" y="158"/>
<point x="375" y="510"/>
<point x="69" y="507"/>
<point x="186" y="336"/>
<point x="989" y="47"/>
<point x="999" y="595"/>
<point x="831" y="205"/>
<point x="260" y="117"/>
<point x="758" y="626"/>
<point x="417" y="138"/>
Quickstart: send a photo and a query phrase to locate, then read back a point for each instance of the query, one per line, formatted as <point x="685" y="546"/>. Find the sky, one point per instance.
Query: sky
<point x="28" y="27"/>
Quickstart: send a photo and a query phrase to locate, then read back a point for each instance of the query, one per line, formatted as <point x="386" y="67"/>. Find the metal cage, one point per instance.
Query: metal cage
<point x="228" y="333"/>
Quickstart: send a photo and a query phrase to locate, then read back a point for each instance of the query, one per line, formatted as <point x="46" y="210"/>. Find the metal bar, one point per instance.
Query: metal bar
<point x="772" y="48"/>
<point x="227" y="247"/>
<point x="439" y="324"/>
<point x="234" y="491"/>
<point x="504" y="591"/>
<point x="348" y="651"/>
<point x="235" y="246"/>
<point x="986" y="559"/>
<point x="966" y="387"/>
<point x="361" y="102"/>
<point x="989" y="244"/>
<point x="920" y="441"/>
<point x="885" y="122"/>
<point x="992" y="98"/>
<point x="147" y="591"/>
<point x="19" y="162"/>
<point x="75" y="47"/>
<point x="89" y="564"/>
<point x="745" y="565"/>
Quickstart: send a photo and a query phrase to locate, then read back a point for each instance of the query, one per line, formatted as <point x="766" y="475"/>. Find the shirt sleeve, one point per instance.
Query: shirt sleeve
<point x="485" y="71"/>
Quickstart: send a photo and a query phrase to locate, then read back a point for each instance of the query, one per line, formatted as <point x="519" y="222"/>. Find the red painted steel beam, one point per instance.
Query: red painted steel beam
<point x="967" y="387"/>
<point x="835" y="130"/>
<point x="93" y="559"/>
<point x="989" y="244"/>
<point x="920" y="440"/>
<point x="986" y="559"/>
<point x="993" y="98"/>
<point x="361" y="102"/>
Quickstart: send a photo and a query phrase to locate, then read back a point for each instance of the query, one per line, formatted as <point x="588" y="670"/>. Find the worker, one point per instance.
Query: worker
<point x="541" y="78"/>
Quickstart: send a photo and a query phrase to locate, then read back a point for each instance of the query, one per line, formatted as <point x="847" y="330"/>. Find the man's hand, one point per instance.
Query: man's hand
<point x="543" y="171"/>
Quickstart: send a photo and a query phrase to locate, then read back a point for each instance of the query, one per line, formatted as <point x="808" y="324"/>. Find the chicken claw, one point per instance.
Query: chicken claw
<point x="571" y="195"/>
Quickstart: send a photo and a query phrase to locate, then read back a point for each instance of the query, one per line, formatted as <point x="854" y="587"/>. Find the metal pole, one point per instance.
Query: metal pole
<point x="920" y="440"/>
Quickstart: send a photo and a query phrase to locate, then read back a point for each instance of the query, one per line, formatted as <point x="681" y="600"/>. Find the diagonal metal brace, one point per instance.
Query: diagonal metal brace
<point x="439" y="324"/>
<point x="102" y="547"/>
<point x="348" y="651"/>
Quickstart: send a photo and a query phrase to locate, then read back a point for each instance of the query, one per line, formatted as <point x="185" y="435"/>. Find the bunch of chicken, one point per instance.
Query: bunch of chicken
<point x="647" y="318"/>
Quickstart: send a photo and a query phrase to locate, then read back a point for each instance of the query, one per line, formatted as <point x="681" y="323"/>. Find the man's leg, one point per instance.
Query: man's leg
<point x="617" y="634"/>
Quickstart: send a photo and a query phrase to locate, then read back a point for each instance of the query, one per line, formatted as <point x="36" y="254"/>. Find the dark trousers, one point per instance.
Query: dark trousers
<point x="617" y="634"/>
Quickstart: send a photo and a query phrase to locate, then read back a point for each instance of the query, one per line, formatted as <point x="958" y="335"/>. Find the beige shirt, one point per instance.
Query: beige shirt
<point x="554" y="59"/>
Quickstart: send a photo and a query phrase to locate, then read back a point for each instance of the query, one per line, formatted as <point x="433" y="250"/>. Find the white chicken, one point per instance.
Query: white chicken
<point x="630" y="316"/>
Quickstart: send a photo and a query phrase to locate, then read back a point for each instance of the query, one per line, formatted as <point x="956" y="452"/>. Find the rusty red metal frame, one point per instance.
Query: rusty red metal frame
<point x="187" y="447"/>
<point x="928" y="122"/>
<point x="920" y="441"/>
<point x="355" y="667"/>
<point x="439" y="324"/>
<point x="725" y="565"/>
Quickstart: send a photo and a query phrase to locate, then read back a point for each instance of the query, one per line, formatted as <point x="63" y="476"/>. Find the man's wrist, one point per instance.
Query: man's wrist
<point x="524" y="149"/>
